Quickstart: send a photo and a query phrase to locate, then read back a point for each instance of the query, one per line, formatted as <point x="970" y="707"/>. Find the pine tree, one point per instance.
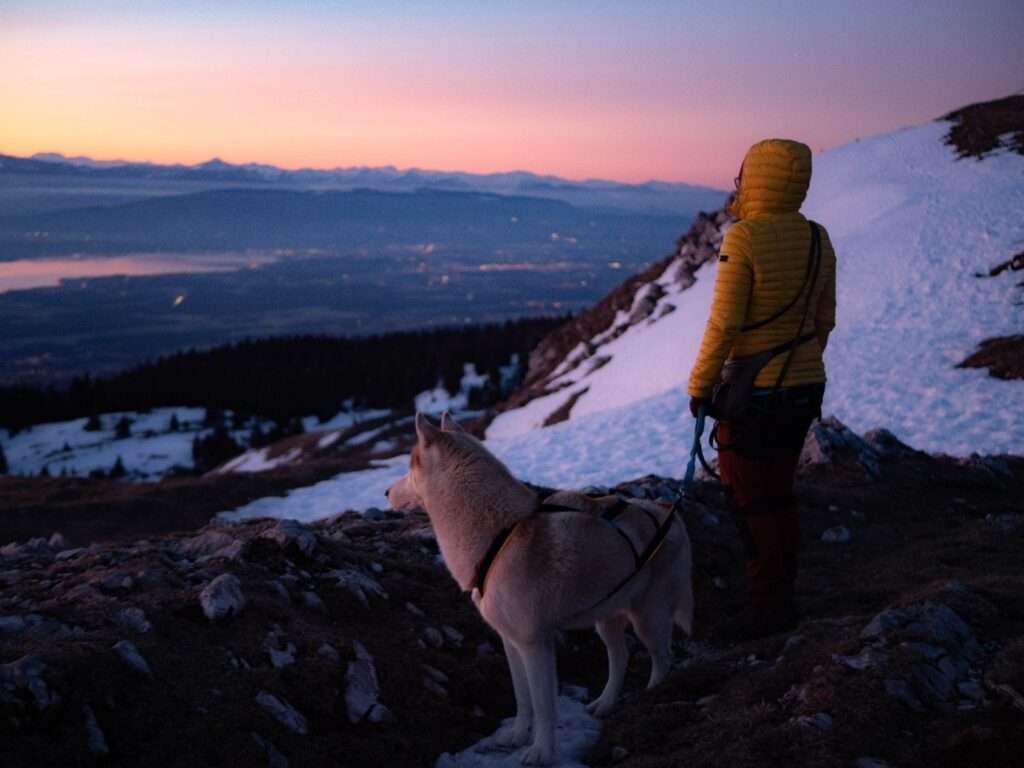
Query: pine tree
<point x="3" y="461"/>
<point x="118" y="469"/>
<point x="123" y="428"/>
<point x="93" y="424"/>
<point x="174" y="425"/>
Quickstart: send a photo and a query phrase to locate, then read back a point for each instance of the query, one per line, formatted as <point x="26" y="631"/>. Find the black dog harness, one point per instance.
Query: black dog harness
<point x="641" y="558"/>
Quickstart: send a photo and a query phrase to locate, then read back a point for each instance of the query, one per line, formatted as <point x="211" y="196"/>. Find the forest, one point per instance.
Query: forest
<point x="283" y="378"/>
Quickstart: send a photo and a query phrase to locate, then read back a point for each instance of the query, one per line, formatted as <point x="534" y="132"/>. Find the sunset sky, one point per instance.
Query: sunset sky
<point x="621" y="90"/>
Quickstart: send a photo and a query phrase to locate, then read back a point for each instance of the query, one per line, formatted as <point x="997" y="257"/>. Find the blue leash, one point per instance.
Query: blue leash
<point x="696" y="451"/>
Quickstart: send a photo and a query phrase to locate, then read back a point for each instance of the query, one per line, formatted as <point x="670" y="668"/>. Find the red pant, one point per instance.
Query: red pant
<point x="768" y="520"/>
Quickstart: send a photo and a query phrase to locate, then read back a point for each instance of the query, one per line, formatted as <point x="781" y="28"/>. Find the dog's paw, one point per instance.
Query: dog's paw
<point x="512" y="736"/>
<point x="537" y="754"/>
<point x="599" y="707"/>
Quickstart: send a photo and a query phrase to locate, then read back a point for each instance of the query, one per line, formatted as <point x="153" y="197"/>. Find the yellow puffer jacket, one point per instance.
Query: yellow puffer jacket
<point x="761" y="266"/>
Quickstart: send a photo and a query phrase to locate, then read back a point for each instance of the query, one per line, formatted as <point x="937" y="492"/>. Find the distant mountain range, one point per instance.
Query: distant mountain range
<point x="655" y="197"/>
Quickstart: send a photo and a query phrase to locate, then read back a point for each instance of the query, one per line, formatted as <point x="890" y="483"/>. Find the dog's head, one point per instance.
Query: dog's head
<point x="434" y="451"/>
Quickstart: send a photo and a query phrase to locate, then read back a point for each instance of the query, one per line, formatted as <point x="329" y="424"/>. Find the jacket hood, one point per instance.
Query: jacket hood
<point x="774" y="178"/>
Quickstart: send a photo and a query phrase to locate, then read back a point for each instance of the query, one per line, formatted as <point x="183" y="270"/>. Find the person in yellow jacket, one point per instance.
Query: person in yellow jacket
<point x="762" y="265"/>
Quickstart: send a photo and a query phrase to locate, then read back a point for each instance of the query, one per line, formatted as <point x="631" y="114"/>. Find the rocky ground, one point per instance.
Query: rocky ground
<point x="346" y="643"/>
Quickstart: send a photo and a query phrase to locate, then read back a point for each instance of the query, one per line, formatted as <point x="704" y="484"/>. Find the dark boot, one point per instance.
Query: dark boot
<point x="788" y="521"/>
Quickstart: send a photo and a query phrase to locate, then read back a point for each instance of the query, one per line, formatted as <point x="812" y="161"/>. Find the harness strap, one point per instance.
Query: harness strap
<point x="608" y="515"/>
<point x="480" y="578"/>
<point x="646" y="556"/>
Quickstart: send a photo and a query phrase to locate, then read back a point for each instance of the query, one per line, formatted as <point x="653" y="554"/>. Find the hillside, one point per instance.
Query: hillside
<point x="918" y="218"/>
<point x="274" y="643"/>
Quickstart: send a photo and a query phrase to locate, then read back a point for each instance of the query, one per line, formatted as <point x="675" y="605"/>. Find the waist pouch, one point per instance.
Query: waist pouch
<point x="730" y="398"/>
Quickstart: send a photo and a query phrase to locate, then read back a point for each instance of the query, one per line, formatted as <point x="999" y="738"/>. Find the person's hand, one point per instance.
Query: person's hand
<point x="696" y="403"/>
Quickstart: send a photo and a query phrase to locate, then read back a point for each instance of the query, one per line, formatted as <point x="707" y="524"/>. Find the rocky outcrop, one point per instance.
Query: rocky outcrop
<point x="636" y="300"/>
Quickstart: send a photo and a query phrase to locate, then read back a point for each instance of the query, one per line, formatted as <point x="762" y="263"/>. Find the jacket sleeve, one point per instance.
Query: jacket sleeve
<point x="825" y="315"/>
<point x="728" y="311"/>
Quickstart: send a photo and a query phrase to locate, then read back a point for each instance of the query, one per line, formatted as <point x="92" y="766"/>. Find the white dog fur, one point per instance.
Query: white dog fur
<point x="554" y="572"/>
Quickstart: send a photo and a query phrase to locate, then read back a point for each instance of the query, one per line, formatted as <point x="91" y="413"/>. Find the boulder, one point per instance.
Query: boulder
<point x="362" y="691"/>
<point x="130" y="655"/>
<point x="222" y="597"/>
<point x="133" y="619"/>
<point x="829" y="441"/>
<point x="26" y="674"/>
<point x="291" y="534"/>
<point x="283" y="712"/>
<point x="210" y="544"/>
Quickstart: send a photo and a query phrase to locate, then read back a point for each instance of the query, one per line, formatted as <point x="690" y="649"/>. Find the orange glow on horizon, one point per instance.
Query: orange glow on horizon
<point x="618" y="95"/>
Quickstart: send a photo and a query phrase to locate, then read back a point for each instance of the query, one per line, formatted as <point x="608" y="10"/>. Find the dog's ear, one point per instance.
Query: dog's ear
<point x="426" y="432"/>
<point x="449" y="424"/>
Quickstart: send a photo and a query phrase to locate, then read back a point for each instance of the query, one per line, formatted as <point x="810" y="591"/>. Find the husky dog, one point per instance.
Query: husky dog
<point x="534" y="572"/>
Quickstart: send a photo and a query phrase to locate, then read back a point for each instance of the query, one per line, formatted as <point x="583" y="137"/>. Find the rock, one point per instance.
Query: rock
<point x="222" y="597"/>
<point x="435" y="673"/>
<point x="971" y="689"/>
<point x="95" y="741"/>
<point x="312" y="600"/>
<point x="115" y="583"/>
<point x="869" y="762"/>
<point x="619" y="754"/>
<point x="280" y="650"/>
<point x="709" y="519"/>
<point x="829" y="440"/>
<point x="362" y="690"/>
<point x="840" y="534"/>
<point x="57" y="542"/>
<point x="283" y="712"/>
<point x="278" y="586"/>
<point x="376" y="567"/>
<point x="12" y="625"/>
<point x="291" y="534"/>
<point x="11" y="549"/>
<point x="358" y="583"/>
<point x="130" y="655"/>
<point x="211" y="544"/>
<point x="133" y="619"/>
<point x="866" y="659"/>
<point x="328" y="652"/>
<point x="454" y="636"/>
<point x="432" y="637"/>
<point x="274" y="758"/>
<point x="900" y="690"/>
<point x="414" y="610"/>
<point x="434" y="687"/>
<point x="821" y="720"/>
<point x="886" y="444"/>
<point x="68" y="554"/>
<point x="939" y="645"/>
<point x="26" y="674"/>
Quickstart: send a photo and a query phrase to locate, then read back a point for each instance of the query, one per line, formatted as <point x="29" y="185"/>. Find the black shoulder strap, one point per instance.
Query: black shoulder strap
<point x="815" y="258"/>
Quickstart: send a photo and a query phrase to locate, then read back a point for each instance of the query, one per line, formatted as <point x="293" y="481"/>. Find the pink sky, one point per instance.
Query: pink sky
<point x="627" y="91"/>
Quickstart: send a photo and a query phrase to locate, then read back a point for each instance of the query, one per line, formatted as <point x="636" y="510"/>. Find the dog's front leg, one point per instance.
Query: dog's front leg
<point x="539" y="660"/>
<point x="518" y="733"/>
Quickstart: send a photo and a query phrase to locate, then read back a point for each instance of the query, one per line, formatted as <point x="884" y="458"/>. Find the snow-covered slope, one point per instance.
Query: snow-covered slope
<point x="912" y="225"/>
<point x="150" y="450"/>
